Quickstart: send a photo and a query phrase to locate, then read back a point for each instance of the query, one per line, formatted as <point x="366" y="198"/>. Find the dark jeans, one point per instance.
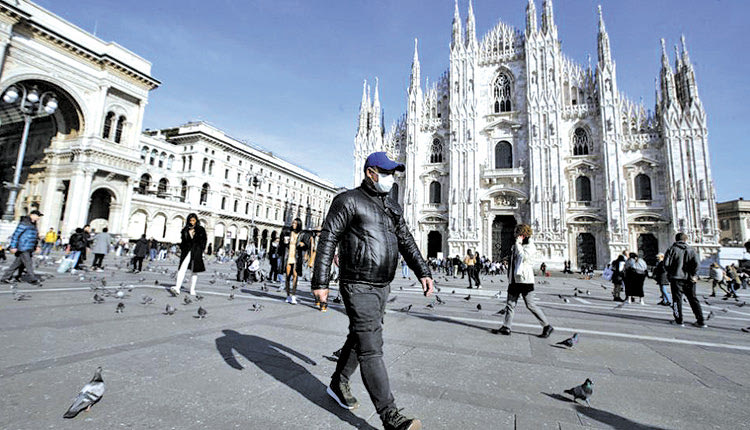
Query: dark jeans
<point x="473" y="273"/>
<point x="365" y="305"/>
<point x="23" y="259"/>
<point x="686" y="287"/>
<point x="138" y="263"/>
<point x="98" y="259"/>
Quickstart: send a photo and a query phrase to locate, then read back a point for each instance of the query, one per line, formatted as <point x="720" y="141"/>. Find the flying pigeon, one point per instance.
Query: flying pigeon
<point x="439" y="300"/>
<point x="89" y="395"/>
<point x="170" y="310"/>
<point x="187" y="300"/>
<point x="392" y="299"/>
<point x="569" y="342"/>
<point x="120" y="308"/>
<point x="583" y="391"/>
<point x="406" y="308"/>
<point x="201" y="312"/>
<point x="467" y="298"/>
<point x="479" y="306"/>
<point x="98" y="299"/>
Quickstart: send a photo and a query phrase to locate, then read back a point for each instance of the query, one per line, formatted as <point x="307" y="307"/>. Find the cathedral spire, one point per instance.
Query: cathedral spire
<point x="471" y="27"/>
<point x="548" y="19"/>
<point x="605" y="55"/>
<point x="685" y="55"/>
<point x="376" y="119"/>
<point x="364" y="108"/>
<point x="376" y="101"/>
<point x="457" y="39"/>
<point x="677" y="59"/>
<point x="415" y="70"/>
<point x="530" y="17"/>
<point x="668" y="91"/>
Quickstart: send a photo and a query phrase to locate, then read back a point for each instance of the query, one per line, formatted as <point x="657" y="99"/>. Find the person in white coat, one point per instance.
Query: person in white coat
<point x="521" y="282"/>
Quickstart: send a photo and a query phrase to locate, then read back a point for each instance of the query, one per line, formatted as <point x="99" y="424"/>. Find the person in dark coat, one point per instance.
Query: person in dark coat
<point x="23" y="243"/>
<point x="139" y="253"/>
<point x="78" y="242"/>
<point x="193" y="243"/>
<point x="660" y="276"/>
<point x="635" y="273"/>
<point x="293" y="245"/>
<point x="681" y="262"/>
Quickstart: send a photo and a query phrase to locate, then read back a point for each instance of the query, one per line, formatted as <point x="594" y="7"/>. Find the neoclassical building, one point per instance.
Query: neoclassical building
<point x="516" y="132"/>
<point x="88" y="162"/>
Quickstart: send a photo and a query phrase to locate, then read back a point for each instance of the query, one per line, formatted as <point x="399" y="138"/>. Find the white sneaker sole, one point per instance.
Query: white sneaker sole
<point x="336" y="398"/>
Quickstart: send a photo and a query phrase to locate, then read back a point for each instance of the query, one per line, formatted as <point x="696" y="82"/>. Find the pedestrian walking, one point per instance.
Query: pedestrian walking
<point x="193" y="241"/>
<point x="292" y="250"/>
<point x="368" y="226"/>
<point x="404" y="269"/>
<point x="49" y="241"/>
<point x="716" y="274"/>
<point x="210" y="250"/>
<point x="273" y="260"/>
<point x="734" y="282"/>
<point x="153" y="247"/>
<point x="681" y="263"/>
<point x="636" y="272"/>
<point x="472" y="270"/>
<point x="78" y="242"/>
<point x="660" y="276"/>
<point x="23" y="243"/>
<point x="100" y="248"/>
<point x="139" y="253"/>
<point x="618" y="277"/>
<point x="521" y="281"/>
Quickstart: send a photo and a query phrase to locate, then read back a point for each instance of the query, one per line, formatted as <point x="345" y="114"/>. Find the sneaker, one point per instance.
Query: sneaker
<point x="342" y="393"/>
<point x="479" y="286"/>
<point x="700" y="325"/>
<point x="6" y="281"/>
<point x="393" y="419"/>
<point x="324" y="307"/>
<point x="502" y="330"/>
<point x="289" y="299"/>
<point x="546" y="331"/>
<point x="294" y="300"/>
<point x="673" y="322"/>
<point x="317" y="304"/>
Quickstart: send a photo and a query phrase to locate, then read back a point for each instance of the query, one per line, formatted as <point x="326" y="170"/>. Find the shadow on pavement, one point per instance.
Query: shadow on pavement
<point x="274" y="359"/>
<point x="613" y="420"/>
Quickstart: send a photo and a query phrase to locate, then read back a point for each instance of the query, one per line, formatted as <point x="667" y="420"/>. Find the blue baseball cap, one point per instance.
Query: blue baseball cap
<point x="382" y="162"/>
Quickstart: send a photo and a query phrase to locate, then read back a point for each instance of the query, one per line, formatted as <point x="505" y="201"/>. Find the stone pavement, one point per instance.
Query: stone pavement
<point x="268" y="369"/>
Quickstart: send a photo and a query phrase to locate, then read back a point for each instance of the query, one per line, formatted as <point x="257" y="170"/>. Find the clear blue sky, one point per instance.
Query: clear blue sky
<point x="287" y="74"/>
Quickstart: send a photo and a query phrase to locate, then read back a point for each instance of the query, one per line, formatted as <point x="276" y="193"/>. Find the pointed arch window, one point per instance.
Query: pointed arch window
<point x="144" y="183"/>
<point x="436" y="151"/>
<point x="503" y="155"/>
<point x="581" y="142"/>
<point x="502" y="94"/>
<point x="642" y="187"/>
<point x="583" y="189"/>
<point x="108" y="125"/>
<point x="435" y="192"/>
<point x="118" y="130"/>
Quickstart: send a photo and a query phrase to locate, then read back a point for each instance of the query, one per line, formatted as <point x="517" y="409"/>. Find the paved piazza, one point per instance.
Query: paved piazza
<point x="271" y="370"/>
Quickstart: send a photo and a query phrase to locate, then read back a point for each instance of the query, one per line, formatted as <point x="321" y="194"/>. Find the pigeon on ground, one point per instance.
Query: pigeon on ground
<point x="583" y="391"/>
<point x="439" y="300"/>
<point x="453" y="292"/>
<point x="565" y="299"/>
<point x="231" y="296"/>
<point x="234" y="287"/>
<point x="710" y="315"/>
<point x="400" y="288"/>
<point x="430" y="306"/>
<point x="500" y="312"/>
<point x="212" y="281"/>
<point x="104" y="282"/>
<point x="120" y="308"/>
<point x="98" y="299"/>
<point x="604" y="286"/>
<point x="588" y="293"/>
<point x="19" y="297"/>
<point x="201" y="312"/>
<point x="337" y="353"/>
<point x="170" y="310"/>
<point x="706" y="302"/>
<point x="256" y="307"/>
<point x="741" y="305"/>
<point x="147" y="300"/>
<point x="479" y="306"/>
<point x="412" y="285"/>
<point x="392" y="299"/>
<point x="569" y="342"/>
<point x="405" y="308"/>
<point x="337" y="299"/>
<point x="156" y="282"/>
<point x="187" y="300"/>
<point x="198" y="297"/>
<point x="89" y="395"/>
<point x="725" y="310"/>
<point x="467" y="298"/>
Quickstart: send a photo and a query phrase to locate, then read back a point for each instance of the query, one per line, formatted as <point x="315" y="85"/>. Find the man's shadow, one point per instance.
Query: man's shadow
<point x="274" y="359"/>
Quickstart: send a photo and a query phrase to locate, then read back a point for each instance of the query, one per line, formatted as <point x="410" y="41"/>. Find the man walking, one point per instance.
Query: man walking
<point x="101" y="248"/>
<point x="681" y="263"/>
<point x="367" y="225"/>
<point x="23" y="244"/>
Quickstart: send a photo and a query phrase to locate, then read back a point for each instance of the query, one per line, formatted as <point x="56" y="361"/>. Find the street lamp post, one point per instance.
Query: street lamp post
<point x="255" y="181"/>
<point x="32" y="105"/>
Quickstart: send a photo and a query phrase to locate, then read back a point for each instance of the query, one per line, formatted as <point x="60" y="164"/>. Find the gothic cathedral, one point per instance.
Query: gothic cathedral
<point x="516" y="132"/>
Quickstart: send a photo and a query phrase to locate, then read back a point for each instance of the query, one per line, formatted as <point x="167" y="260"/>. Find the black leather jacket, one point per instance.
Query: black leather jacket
<point x="370" y="231"/>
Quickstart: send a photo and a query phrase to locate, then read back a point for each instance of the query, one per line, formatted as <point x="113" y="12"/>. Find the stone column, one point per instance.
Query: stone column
<point x="126" y="204"/>
<point x="51" y="203"/>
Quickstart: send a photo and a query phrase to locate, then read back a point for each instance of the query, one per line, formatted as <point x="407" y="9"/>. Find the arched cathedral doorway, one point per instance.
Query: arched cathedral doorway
<point x="434" y="243"/>
<point x="586" y="247"/>
<point x="502" y="236"/>
<point x="101" y="201"/>
<point x="648" y="247"/>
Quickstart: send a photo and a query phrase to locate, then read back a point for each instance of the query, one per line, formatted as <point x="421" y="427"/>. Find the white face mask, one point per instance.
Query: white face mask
<point x="385" y="183"/>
